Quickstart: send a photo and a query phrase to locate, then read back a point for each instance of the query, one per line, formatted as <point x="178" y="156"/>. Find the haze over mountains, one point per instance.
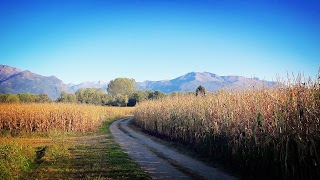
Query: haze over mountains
<point x="14" y="81"/>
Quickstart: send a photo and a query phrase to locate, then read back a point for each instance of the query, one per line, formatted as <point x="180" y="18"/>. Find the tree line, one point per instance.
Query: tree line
<point x="120" y="92"/>
<point x="25" y="98"/>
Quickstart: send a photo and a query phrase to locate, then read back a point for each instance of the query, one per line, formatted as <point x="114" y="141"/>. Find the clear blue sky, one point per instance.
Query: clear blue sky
<point x="91" y="40"/>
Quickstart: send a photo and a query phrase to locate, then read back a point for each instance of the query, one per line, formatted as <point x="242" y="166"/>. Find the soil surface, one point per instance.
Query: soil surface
<point x="160" y="161"/>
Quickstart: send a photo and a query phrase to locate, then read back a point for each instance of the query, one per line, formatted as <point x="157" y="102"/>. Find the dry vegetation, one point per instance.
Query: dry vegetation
<point x="39" y="136"/>
<point x="274" y="132"/>
<point x="17" y="118"/>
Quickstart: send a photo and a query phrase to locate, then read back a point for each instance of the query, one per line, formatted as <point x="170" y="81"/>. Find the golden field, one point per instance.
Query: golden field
<point x="44" y="117"/>
<point x="274" y="132"/>
<point x="39" y="140"/>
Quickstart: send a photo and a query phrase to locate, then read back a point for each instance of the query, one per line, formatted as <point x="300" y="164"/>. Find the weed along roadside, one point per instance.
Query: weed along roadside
<point x="65" y="154"/>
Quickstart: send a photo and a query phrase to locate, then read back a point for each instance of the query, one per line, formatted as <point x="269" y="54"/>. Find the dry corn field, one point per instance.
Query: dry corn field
<point x="269" y="132"/>
<point x="46" y="117"/>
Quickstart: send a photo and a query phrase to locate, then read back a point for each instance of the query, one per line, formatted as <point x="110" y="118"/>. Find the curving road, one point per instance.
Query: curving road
<point x="158" y="160"/>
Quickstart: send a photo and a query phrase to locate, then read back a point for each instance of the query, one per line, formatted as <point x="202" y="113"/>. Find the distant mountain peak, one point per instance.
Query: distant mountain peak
<point x="199" y="76"/>
<point x="187" y="77"/>
<point x="2" y="67"/>
<point x="206" y="76"/>
<point x="28" y="73"/>
<point x="88" y="84"/>
<point x="190" y="81"/>
<point x="14" y="81"/>
<point x="8" y="71"/>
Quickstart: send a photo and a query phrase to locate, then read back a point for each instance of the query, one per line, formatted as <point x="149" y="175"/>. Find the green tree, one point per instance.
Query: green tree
<point x="42" y="98"/>
<point x="27" y="98"/>
<point x="67" y="98"/>
<point x="121" y="89"/>
<point x="140" y="96"/>
<point x="156" y="95"/>
<point x="11" y="98"/>
<point x="92" y="96"/>
<point x="121" y="100"/>
<point x="3" y="98"/>
<point x="136" y="97"/>
<point x="80" y="95"/>
<point x="106" y="99"/>
<point x="201" y="91"/>
<point x="149" y="93"/>
<point x="72" y="98"/>
<point x="85" y="95"/>
<point x="63" y="97"/>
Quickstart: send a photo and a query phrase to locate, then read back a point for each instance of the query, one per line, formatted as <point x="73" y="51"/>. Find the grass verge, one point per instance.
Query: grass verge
<point x="69" y="156"/>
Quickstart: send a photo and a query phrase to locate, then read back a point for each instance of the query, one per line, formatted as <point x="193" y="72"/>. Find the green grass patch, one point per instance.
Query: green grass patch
<point x="57" y="155"/>
<point x="13" y="161"/>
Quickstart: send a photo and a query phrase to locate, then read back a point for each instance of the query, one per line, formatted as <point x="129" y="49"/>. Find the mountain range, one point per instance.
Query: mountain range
<point x="13" y="81"/>
<point x="211" y="82"/>
<point x="88" y="84"/>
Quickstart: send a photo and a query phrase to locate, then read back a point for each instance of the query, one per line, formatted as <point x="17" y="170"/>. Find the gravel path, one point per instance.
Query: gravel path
<point x="158" y="160"/>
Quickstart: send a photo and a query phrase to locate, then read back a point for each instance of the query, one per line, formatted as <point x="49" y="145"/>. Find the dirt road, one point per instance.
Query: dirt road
<point x="158" y="160"/>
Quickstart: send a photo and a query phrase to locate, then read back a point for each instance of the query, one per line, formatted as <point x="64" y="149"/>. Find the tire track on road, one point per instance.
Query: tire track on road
<point x="158" y="160"/>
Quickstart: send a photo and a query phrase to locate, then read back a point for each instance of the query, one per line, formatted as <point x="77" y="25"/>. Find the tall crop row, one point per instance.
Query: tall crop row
<point x="275" y="132"/>
<point x="62" y="117"/>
